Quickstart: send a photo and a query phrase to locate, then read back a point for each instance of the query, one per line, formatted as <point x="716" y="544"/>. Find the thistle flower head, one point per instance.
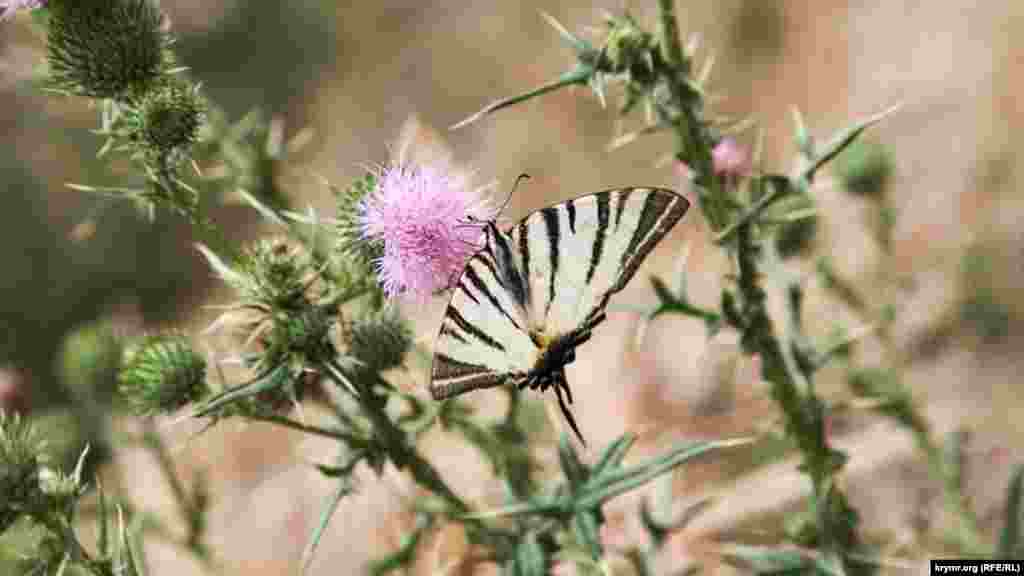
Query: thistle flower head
<point x="730" y="158"/>
<point x="423" y="217"/>
<point x="9" y="7"/>
<point x="13" y="397"/>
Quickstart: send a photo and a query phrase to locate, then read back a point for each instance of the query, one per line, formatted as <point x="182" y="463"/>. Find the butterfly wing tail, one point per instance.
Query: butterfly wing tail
<point x="451" y="378"/>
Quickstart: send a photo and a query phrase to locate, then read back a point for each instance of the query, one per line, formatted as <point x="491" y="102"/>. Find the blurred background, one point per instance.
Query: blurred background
<point x="358" y="75"/>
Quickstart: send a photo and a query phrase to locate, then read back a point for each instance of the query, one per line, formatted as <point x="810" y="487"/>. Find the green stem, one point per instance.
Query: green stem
<point x="403" y="455"/>
<point x="968" y="534"/>
<point x="307" y="428"/>
<point x="190" y="511"/>
<point x="151" y="440"/>
<point x="801" y="408"/>
<point x="692" y="146"/>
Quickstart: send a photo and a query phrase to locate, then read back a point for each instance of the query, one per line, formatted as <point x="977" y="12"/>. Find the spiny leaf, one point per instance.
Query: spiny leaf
<point x="343" y="489"/>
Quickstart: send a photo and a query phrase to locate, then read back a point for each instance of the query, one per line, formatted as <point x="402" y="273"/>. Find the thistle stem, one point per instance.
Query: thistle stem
<point x="692" y="144"/>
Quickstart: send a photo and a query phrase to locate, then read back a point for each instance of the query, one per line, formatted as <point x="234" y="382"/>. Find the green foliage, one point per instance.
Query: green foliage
<point x="312" y="321"/>
<point x="657" y="70"/>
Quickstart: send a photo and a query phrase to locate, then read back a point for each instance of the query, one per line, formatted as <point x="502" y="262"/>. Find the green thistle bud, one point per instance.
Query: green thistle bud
<point x="380" y="340"/>
<point x="106" y="48"/>
<point x="628" y="48"/>
<point x="797" y="225"/>
<point x="60" y="490"/>
<point x="167" y="121"/>
<point x="796" y="237"/>
<point x="307" y="333"/>
<point x="864" y="168"/>
<point x="91" y="355"/>
<point x="162" y="374"/>
<point x="20" y="455"/>
<point x="351" y="241"/>
<point x="280" y="273"/>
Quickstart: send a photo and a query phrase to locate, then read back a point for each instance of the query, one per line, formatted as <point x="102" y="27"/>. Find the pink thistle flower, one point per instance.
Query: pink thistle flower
<point x="9" y="7"/>
<point x="730" y="158"/>
<point x="12" y="391"/>
<point x="421" y="215"/>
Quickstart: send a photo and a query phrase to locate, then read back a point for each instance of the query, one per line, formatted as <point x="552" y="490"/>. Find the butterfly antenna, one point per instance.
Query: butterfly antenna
<point x="520" y="178"/>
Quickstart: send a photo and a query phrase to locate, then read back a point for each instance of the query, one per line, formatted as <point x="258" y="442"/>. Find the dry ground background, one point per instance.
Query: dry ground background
<point x="356" y="74"/>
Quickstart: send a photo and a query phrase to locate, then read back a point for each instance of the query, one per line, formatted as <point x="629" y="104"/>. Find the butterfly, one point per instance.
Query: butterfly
<point x="530" y="296"/>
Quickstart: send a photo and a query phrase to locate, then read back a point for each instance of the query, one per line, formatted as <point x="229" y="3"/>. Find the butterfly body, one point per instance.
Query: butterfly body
<point x="530" y="296"/>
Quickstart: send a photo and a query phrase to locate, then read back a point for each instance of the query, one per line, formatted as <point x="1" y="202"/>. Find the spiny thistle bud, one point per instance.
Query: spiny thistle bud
<point x="297" y="345"/>
<point x="280" y="274"/>
<point x="106" y="48"/>
<point x="797" y="225"/>
<point x="864" y="168"/>
<point x="91" y="355"/>
<point x="59" y="489"/>
<point x="162" y="374"/>
<point x="307" y="333"/>
<point x="630" y="49"/>
<point x="380" y="340"/>
<point x="21" y="450"/>
<point x="167" y="121"/>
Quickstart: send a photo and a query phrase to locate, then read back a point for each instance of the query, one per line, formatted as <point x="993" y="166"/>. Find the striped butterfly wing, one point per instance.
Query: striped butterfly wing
<point x="483" y="340"/>
<point x="577" y="254"/>
<point x="550" y="277"/>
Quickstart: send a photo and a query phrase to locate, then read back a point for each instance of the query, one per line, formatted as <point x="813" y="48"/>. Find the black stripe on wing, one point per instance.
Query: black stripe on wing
<point x="465" y="290"/>
<point x="447" y="330"/>
<point x="524" y="258"/>
<point x="603" y="199"/>
<point x="468" y="328"/>
<point x="478" y="282"/>
<point x="508" y="274"/>
<point x="550" y="216"/>
<point x="620" y="207"/>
